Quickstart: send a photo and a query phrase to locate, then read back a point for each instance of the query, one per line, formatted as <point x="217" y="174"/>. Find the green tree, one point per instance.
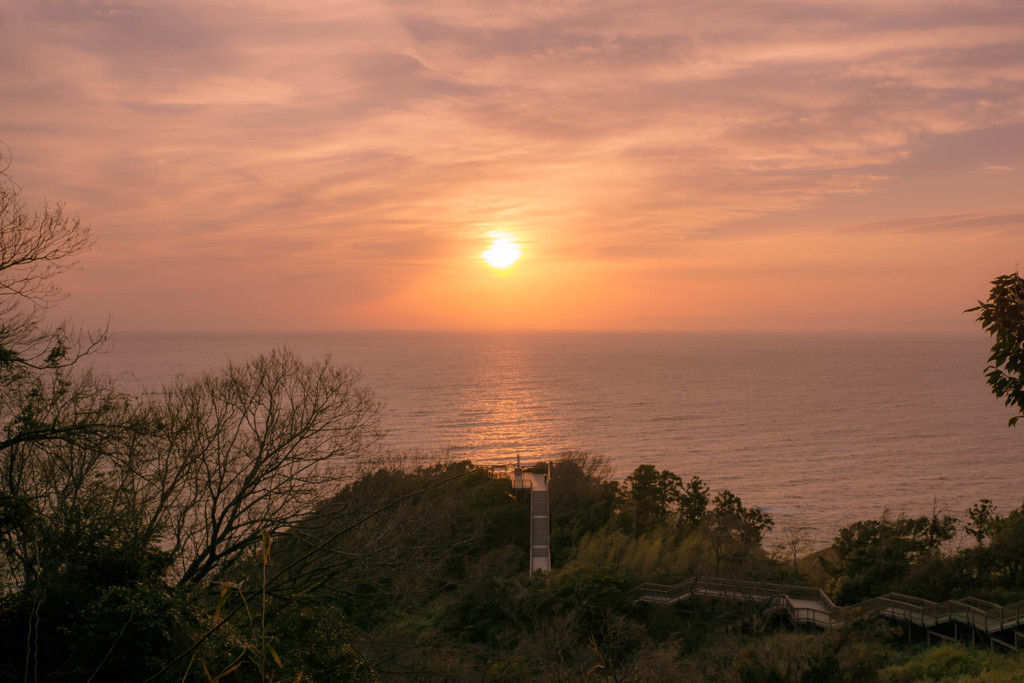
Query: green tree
<point x="648" y="497"/>
<point x="877" y="556"/>
<point x="693" y="503"/>
<point x="1002" y="316"/>
<point x="582" y="500"/>
<point x="982" y="515"/>
<point x="1006" y="549"/>
<point x="735" y="531"/>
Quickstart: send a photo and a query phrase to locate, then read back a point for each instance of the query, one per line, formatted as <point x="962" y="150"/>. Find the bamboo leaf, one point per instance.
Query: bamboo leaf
<point x="266" y="547"/>
<point x="225" y="590"/>
<point x="225" y="672"/>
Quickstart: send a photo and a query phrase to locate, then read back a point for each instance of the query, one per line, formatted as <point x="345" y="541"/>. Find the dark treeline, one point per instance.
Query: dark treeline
<point x="420" y="571"/>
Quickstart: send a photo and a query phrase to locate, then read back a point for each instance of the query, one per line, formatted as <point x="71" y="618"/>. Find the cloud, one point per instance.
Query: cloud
<point x="380" y="136"/>
<point x="997" y="168"/>
<point x="949" y="223"/>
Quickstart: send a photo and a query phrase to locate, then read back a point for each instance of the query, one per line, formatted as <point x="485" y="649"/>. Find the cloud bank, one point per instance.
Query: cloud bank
<point x="339" y="164"/>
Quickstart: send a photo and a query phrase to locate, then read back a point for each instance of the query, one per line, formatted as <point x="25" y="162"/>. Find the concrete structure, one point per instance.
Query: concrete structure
<point x="540" y="521"/>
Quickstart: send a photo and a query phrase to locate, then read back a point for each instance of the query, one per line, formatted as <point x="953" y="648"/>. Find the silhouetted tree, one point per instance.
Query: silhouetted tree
<point x="36" y="246"/>
<point x="54" y="423"/>
<point x="648" y="496"/>
<point x="248" y="450"/>
<point x="734" y="530"/>
<point x="70" y="552"/>
<point x="693" y="503"/>
<point x="982" y="515"/>
<point x="582" y="500"/>
<point x="875" y="556"/>
<point x="1002" y="316"/>
<point x="1006" y="549"/>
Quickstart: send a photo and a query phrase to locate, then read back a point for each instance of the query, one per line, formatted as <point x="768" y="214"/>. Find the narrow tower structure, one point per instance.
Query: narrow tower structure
<point x="540" y="522"/>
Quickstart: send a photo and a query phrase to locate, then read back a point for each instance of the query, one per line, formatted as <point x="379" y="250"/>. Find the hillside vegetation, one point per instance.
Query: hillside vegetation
<point x="418" y="572"/>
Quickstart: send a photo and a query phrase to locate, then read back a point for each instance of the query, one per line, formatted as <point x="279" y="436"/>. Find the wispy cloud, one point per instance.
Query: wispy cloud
<point x="385" y="139"/>
<point x="949" y="223"/>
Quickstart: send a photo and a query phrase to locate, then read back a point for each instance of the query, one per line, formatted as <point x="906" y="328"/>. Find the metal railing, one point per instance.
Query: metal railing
<point x="982" y="615"/>
<point x="775" y="597"/>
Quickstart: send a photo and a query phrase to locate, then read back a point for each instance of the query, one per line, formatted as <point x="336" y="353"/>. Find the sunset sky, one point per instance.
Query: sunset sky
<point x="661" y="164"/>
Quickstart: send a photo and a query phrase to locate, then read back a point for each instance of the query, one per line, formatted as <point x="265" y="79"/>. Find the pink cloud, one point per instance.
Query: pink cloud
<point x="371" y="146"/>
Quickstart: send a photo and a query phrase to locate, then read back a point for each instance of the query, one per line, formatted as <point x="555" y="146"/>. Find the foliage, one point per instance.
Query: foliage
<point x="801" y="660"/>
<point x="548" y="619"/>
<point x="120" y="632"/>
<point x="1005" y="553"/>
<point x="582" y="500"/>
<point x="874" y="556"/>
<point x="452" y="520"/>
<point x="77" y="582"/>
<point x="693" y="503"/>
<point x="1002" y="316"/>
<point x="982" y="515"/>
<point x="944" y="662"/>
<point x="648" y="497"/>
<point x="316" y="644"/>
<point x="735" y="531"/>
<point x="661" y="555"/>
<point x="107" y="500"/>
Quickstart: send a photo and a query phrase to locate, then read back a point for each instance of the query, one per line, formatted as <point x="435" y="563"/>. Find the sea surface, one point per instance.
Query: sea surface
<point x="818" y="429"/>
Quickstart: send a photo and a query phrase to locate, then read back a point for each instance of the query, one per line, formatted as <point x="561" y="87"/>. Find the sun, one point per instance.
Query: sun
<point x="502" y="253"/>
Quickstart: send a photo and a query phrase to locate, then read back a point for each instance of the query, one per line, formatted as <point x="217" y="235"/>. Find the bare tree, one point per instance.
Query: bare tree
<point x="52" y="420"/>
<point x="248" y="450"/>
<point x="795" y="540"/>
<point x="35" y="247"/>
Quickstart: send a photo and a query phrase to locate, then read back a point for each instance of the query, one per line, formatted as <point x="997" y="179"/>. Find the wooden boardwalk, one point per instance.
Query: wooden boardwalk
<point x="949" y="620"/>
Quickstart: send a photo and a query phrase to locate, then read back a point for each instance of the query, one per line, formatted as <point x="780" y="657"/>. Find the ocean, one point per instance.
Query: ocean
<point x="820" y="430"/>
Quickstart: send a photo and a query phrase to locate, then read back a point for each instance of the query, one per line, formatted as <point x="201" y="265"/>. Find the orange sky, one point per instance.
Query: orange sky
<point x="664" y="164"/>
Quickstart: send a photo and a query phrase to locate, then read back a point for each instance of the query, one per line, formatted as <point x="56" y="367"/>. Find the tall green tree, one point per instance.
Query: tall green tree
<point x="1002" y="316"/>
<point x="693" y="503"/>
<point x="735" y="531"/>
<point x="982" y="515"/>
<point x="648" y="497"/>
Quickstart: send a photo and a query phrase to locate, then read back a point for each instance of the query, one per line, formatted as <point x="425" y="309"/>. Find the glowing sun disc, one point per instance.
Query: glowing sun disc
<point x="502" y="253"/>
